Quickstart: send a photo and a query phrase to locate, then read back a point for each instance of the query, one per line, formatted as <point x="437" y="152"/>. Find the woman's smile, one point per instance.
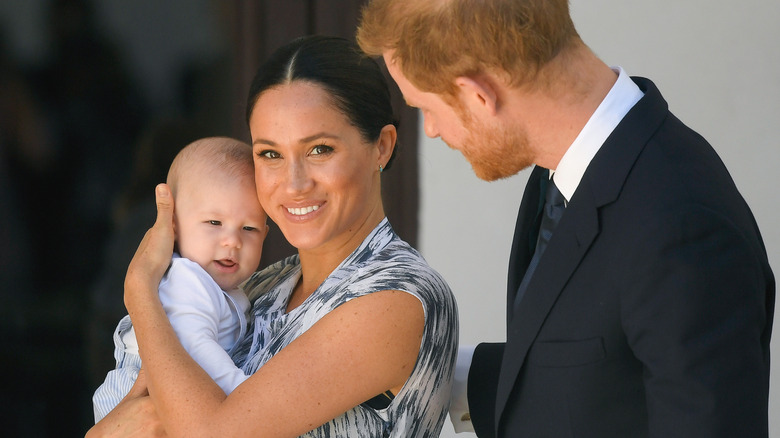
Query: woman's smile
<point x="298" y="211"/>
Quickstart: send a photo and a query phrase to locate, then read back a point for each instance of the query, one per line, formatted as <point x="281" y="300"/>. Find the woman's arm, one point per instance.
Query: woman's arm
<point x="362" y="348"/>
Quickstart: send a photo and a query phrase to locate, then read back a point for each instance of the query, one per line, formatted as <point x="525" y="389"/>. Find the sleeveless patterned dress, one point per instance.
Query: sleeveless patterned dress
<point x="382" y="262"/>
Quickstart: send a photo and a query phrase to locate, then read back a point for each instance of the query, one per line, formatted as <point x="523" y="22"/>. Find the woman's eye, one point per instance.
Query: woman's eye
<point x="268" y="154"/>
<point x="321" y="149"/>
<point x="216" y="223"/>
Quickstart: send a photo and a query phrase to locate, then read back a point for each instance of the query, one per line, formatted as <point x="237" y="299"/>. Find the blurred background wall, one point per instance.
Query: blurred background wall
<point x="97" y="96"/>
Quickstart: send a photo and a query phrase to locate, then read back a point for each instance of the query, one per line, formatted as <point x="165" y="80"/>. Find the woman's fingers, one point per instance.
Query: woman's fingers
<point x="135" y="416"/>
<point x="164" y="208"/>
<point x="139" y="388"/>
<point x="153" y="255"/>
<point x="160" y="237"/>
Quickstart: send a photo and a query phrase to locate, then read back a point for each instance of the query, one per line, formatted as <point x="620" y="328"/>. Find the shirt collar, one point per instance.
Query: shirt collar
<point x="620" y="99"/>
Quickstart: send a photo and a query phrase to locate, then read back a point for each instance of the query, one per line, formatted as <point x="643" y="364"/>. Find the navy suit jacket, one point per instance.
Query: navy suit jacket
<point x="649" y="314"/>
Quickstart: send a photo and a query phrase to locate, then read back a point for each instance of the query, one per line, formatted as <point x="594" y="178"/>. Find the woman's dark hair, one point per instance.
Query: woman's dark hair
<point x="353" y="79"/>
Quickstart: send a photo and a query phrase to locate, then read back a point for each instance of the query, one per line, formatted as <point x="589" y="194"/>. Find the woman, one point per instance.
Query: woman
<point x="355" y="335"/>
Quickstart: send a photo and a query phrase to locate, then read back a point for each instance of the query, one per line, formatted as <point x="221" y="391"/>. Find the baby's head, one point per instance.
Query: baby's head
<point x="218" y="220"/>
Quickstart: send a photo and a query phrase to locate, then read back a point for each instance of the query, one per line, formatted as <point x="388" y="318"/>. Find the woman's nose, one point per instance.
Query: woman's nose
<point x="299" y="179"/>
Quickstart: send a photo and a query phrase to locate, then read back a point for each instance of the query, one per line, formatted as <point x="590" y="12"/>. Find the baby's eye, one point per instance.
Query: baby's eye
<point x="248" y="228"/>
<point x="321" y="149"/>
<point x="213" y="222"/>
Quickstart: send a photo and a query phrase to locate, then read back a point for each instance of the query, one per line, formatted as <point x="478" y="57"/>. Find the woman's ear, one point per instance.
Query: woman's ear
<point x="478" y="93"/>
<point x="386" y="144"/>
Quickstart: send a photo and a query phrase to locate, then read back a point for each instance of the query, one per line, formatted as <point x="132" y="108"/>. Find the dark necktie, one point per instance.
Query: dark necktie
<point x="554" y="206"/>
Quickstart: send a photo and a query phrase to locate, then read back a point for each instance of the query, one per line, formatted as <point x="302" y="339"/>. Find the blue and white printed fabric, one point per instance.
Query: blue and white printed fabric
<point x="382" y="262"/>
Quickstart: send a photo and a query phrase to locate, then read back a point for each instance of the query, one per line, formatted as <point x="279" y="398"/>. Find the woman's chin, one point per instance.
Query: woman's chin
<point x="302" y="240"/>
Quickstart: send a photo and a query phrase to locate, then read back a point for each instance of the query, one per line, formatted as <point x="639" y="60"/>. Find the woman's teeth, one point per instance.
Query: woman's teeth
<point x="302" y="211"/>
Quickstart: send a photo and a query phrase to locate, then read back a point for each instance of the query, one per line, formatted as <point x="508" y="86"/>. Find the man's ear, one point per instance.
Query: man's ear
<point x="479" y="93"/>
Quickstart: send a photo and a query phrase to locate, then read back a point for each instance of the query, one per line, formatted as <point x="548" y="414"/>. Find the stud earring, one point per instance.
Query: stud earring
<point x="381" y="168"/>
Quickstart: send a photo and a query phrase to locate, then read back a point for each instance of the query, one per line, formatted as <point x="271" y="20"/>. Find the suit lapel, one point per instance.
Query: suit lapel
<point x="569" y="243"/>
<point x="579" y="226"/>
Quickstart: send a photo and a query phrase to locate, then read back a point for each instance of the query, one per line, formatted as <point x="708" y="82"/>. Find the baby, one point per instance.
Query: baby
<point x="220" y="228"/>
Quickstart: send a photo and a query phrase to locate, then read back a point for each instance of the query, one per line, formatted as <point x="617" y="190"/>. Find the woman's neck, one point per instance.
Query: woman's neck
<point x="318" y="263"/>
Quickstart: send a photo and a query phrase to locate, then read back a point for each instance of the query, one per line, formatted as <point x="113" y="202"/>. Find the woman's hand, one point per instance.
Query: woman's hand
<point x="134" y="416"/>
<point x="153" y="255"/>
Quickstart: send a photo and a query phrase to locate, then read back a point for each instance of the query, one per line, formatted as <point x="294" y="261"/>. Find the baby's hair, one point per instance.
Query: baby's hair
<point x="211" y="157"/>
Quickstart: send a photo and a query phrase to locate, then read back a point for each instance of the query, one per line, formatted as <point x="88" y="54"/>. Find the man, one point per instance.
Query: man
<point x="641" y="303"/>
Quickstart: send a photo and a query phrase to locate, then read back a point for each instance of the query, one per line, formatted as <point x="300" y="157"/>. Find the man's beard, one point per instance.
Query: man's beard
<point x="493" y="151"/>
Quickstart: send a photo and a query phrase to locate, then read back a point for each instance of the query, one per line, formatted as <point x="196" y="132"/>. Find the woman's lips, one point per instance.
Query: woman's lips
<point x="300" y="211"/>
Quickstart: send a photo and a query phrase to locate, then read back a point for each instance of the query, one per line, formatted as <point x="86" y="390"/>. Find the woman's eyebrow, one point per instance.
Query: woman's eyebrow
<point x="308" y="139"/>
<point x="318" y="136"/>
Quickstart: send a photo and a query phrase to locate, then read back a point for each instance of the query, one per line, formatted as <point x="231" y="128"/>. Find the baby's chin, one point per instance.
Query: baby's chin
<point x="228" y="286"/>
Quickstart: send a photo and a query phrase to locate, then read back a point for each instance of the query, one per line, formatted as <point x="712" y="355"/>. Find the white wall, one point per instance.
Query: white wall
<point x="716" y="62"/>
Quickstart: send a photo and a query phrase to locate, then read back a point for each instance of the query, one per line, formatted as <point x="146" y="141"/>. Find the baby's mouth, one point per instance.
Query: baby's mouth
<point x="226" y="263"/>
